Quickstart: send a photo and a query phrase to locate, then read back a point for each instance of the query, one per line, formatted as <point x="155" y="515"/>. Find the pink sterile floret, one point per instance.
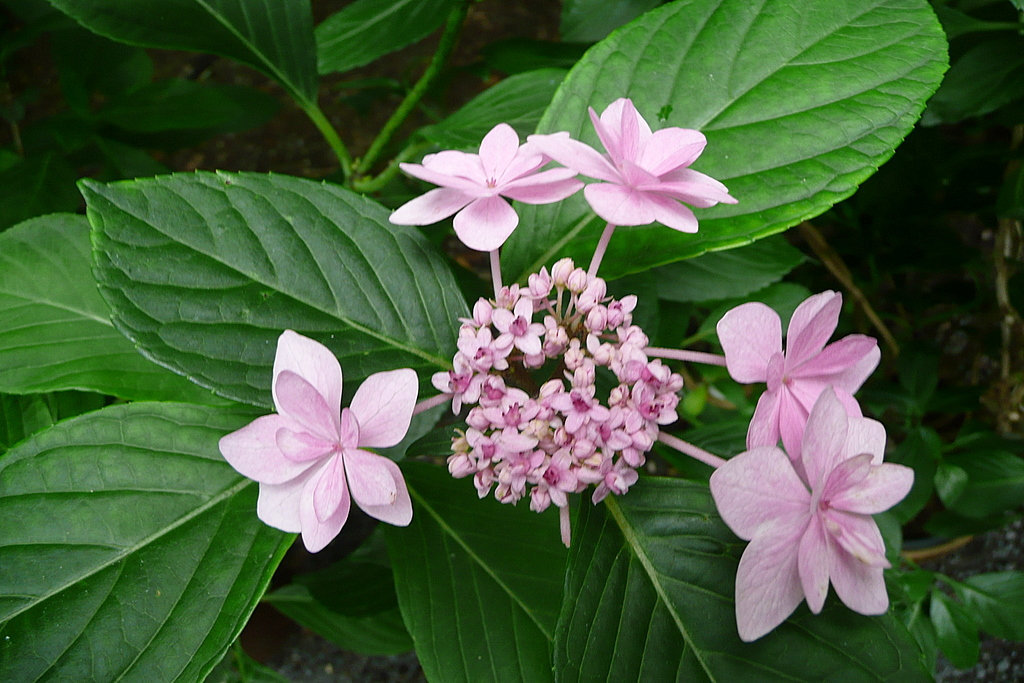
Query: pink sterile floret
<point x="645" y="174"/>
<point x="810" y="527"/>
<point x="473" y="187"/>
<point x="561" y="436"/>
<point x="310" y="456"/>
<point x="751" y="336"/>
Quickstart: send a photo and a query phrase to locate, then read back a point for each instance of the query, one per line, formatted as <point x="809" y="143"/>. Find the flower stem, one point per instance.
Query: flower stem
<point x="496" y="272"/>
<point x="602" y="246"/>
<point x="444" y="49"/>
<point x="689" y="356"/>
<point x="316" y="115"/>
<point x="687" y="448"/>
<point x="368" y="185"/>
<point x="428" y="403"/>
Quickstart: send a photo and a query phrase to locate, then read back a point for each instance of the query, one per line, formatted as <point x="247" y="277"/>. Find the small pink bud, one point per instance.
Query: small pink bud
<point x="577" y="281"/>
<point x="597" y="319"/>
<point x="560" y="272"/>
<point x="573" y="356"/>
<point x="482" y="310"/>
<point x="540" y="284"/>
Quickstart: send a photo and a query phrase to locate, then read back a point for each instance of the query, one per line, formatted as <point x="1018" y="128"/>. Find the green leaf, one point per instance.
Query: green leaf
<point x="379" y="633"/>
<point x="995" y="482"/>
<point x="955" y="629"/>
<point x="950" y="482"/>
<point x="55" y="329"/>
<point x="177" y="104"/>
<point x="273" y="36"/>
<point x="800" y="103"/>
<point x="649" y="595"/>
<point x="204" y="271"/>
<point x="728" y="274"/>
<point x="586" y="21"/>
<point x="997" y="602"/>
<point x="22" y="416"/>
<point x="921" y="450"/>
<point x="478" y="582"/>
<point x="986" y="77"/>
<point x="34" y="186"/>
<point x="130" y="548"/>
<point x="88" y="64"/>
<point x="518" y="100"/>
<point x="367" y="29"/>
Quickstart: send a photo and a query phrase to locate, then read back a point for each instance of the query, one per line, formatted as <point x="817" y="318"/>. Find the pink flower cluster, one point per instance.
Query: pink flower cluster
<point x="555" y="435"/>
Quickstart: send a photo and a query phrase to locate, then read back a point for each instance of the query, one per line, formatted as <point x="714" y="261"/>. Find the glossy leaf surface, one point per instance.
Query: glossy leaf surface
<point x="130" y="548"/>
<point x="204" y="271"/>
<point x="800" y="103"/>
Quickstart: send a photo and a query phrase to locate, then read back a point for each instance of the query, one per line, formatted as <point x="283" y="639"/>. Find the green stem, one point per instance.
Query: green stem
<point x="444" y="49"/>
<point x="316" y="115"/>
<point x="368" y="185"/>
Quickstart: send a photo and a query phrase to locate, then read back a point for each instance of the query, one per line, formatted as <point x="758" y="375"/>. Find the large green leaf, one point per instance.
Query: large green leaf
<point x="590" y="20"/>
<point x="203" y="271"/>
<point x="800" y="102"/>
<point x="519" y="101"/>
<point x="728" y="274"/>
<point x="274" y="36"/>
<point x="55" y="329"/>
<point x="130" y="548"/>
<point x="367" y="29"/>
<point x="649" y="596"/>
<point x="478" y="582"/>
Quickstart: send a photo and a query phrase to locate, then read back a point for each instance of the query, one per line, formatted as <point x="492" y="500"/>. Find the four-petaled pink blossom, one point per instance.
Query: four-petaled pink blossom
<point x="751" y="336"/>
<point x="309" y="456"/>
<point x="473" y="187"/>
<point x="807" y="532"/>
<point x="646" y="174"/>
<point x="519" y="326"/>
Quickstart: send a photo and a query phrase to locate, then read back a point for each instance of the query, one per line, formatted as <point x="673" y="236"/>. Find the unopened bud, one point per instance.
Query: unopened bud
<point x="560" y="272"/>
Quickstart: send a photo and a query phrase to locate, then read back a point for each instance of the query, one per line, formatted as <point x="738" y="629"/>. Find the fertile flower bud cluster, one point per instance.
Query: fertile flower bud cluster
<point x="538" y="422"/>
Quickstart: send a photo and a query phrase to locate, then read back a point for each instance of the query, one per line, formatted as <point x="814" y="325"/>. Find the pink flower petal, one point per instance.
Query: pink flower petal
<point x="253" y="452"/>
<point x="543" y="188"/>
<point x="813" y="564"/>
<point x="764" y="425"/>
<point x="383" y="405"/>
<point x="857" y="535"/>
<point x="302" y="447"/>
<point x="313" y="362"/>
<point x="619" y="204"/>
<point x="768" y="586"/>
<point x="672" y="214"/>
<point x="750" y="335"/>
<point x="486" y="223"/>
<point x="864" y="435"/>
<point x="694" y="188"/>
<point x="497" y="150"/>
<point x="669" y="149"/>
<point x="792" y="426"/>
<point x="836" y="358"/>
<point x="430" y="207"/>
<point x="851" y="379"/>
<point x="813" y="322"/>
<point x="299" y="400"/>
<point x="576" y="155"/>
<point x="824" y="441"/>
<point x="757" y="487"/>
<point x="378" y="487"/>
<point x="315" y="533"/>
<point x="453" y="170"/>
<point x="278" y="504"/>
<point x="330" y="489"/>
<point x="861" y="587"/>
<point x="884" y="486"/>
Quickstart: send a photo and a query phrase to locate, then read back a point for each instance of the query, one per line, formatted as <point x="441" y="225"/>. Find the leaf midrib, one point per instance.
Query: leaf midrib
<point x="447" y="529"/>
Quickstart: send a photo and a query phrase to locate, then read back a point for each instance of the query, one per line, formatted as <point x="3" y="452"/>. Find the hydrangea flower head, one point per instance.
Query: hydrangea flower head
<point x="473" y="187"/>
<point x="808" y="531"/>
<point x="645" y="175"/>
<point x="751" y="336"/>
<point x="310" y="459"/>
